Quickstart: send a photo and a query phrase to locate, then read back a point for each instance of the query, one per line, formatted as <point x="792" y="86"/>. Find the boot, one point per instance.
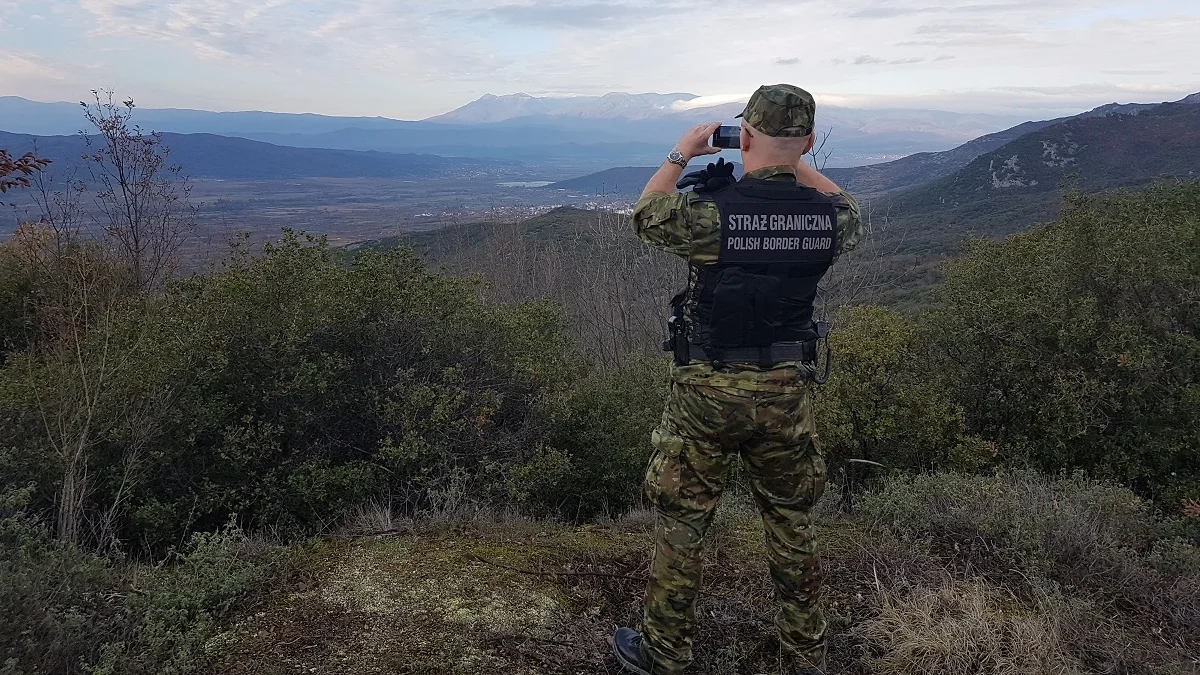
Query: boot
<point x="627" y="645"/>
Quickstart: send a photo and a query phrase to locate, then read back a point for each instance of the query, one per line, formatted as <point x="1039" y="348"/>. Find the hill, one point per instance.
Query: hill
<point x="1019" y="184"/>
<point x="621" y="180"/>
<point x="875" y="179"/>
<point x="231" y="158"/>
<point x="463" y="241"/>
<point x="492" y="108"/>
<point x="61" y="118"/>
<point x="1089" y="152"/>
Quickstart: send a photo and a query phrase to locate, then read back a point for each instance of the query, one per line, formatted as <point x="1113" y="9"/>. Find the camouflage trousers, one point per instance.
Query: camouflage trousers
<point x="703" y="431"/>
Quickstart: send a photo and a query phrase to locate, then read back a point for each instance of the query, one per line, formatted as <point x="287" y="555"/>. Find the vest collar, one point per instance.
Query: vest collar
<point x="773" y="172"/>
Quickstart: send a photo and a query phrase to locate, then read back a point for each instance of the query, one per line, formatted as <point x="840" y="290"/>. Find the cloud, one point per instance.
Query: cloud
<point x="421" y="57"/>
<point x="593" y="15"/>
<point x="963" y="29"/>
<point x="887" y="12"/>
<point x="1135" y="71"/>
<point x="27" y="68"/>
<point x="709" y="101"/>
<point x="892" y="11"/>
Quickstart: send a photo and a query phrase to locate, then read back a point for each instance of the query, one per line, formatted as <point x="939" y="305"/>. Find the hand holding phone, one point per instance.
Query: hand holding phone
<point x="727" y="138"/>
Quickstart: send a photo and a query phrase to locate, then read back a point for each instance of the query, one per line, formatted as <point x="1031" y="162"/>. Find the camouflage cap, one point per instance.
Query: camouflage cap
<point x="781" y="110"/>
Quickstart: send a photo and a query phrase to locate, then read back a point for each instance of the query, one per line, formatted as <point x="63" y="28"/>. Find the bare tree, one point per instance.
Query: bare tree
<point x="70" y="368"/>
<point x="818" y="156"/>
<point x="860" y="274"/>
<point x="143" y="202"/>
<point x="61" y="205"/>
<point x="614" y="289"/>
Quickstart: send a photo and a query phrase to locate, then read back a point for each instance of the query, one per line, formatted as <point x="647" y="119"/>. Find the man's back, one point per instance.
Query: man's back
<point x="746" y="360"/>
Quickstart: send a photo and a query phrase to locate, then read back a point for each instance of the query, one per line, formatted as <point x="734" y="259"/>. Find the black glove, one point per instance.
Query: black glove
<point x="711" y="179"/>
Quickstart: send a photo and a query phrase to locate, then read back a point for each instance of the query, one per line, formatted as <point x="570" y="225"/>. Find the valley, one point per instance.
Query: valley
<point x="378" y="181"/>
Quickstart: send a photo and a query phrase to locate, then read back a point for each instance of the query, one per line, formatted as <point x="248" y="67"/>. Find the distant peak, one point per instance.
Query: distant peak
<point x="1193" y="99"/>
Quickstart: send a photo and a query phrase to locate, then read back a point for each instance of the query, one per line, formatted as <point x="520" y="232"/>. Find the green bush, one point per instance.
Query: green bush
<point x="884" y="404"/>
<point x="1077" y="344"/>
<point x="286" y="388"/>
<point x="57" y="611"/>
<point x="69" y="611"/>
<point x="175" y="610"/>
<point x="598" y="445"/>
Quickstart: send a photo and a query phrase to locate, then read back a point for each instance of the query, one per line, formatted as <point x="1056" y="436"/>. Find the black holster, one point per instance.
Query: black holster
<point x="823" y="336"/>
<point x="677" y="342"/>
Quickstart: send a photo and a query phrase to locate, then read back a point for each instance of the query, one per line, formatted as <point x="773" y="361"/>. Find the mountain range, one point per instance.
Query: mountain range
<point x="555" y="132"/>
<point x="1112" y="144"/>
<point x="232" y="158"/>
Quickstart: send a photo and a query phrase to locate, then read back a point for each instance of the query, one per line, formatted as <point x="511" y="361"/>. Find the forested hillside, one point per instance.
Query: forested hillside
<point x="1088" y="153"/>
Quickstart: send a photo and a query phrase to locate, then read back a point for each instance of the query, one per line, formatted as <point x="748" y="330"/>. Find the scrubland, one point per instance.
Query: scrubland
<point x="308" y="460"/>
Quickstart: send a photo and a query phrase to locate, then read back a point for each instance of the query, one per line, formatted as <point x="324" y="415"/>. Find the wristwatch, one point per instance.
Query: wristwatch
<point x="676" y="157"/>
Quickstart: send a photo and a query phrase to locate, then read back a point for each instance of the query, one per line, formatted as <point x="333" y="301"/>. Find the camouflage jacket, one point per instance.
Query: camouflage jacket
<point x="690" y="227"/>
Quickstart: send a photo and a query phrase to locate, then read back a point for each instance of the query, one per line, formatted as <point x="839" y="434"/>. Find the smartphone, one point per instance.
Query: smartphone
<point x="727" y="137"/>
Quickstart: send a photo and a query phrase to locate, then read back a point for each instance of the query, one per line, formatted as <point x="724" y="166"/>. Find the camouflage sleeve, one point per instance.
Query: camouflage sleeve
<point x="661" y="220"/>
<point x="849" y="222"/>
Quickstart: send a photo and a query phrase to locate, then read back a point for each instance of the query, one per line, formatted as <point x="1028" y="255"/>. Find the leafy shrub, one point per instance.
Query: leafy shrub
<point x="883" y="404"/>
<point x="1077" y="344"/>
<point x="1033" y="518"/>
<point x="173" y="612"/>
<point x="57" y="607"/>
<point x="287" y="388"/>
<point x="69" y="611"/>
<point x="598" y="446"/>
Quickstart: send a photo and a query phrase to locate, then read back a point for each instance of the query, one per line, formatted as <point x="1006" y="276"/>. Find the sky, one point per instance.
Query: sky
<point x="411" y="59"/>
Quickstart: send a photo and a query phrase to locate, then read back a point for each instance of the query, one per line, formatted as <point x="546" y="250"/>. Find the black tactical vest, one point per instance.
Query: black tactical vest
<point x="777" y="240"/>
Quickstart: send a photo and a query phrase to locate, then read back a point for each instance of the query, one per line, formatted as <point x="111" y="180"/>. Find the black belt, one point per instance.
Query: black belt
<point x="779" y="352"/>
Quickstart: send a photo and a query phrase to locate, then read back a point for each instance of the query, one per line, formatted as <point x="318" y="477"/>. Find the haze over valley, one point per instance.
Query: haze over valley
<point x="511" y="157"/>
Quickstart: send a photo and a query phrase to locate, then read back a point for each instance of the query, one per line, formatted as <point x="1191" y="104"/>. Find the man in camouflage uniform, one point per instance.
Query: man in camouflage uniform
<point x="726" y="401"/>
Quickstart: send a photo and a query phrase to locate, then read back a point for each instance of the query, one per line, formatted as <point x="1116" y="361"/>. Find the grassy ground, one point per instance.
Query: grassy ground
<point x="496" y="596"/>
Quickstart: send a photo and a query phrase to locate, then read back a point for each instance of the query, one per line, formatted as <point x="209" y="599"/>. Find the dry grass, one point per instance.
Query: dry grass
<point x="963" y="628"/>
<point x="454" y="506"/>
<point x="934" y="589"/>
